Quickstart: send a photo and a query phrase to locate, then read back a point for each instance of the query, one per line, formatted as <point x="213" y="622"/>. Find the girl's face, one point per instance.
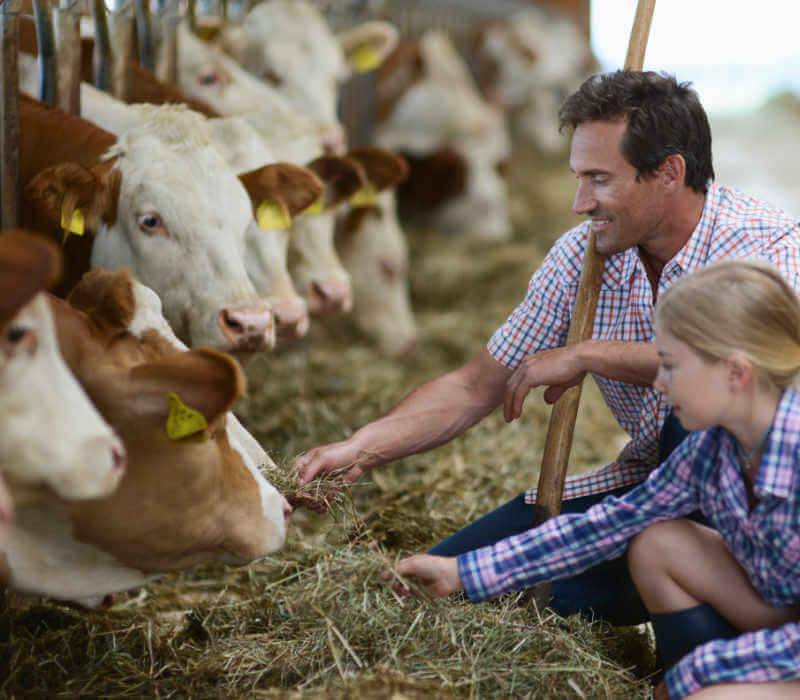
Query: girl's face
<point x="698" y="390"/>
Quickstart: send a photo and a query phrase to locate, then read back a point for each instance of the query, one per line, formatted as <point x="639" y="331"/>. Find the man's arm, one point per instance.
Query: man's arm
<point x="429" y="416"/>
<point x="560" y="368"/>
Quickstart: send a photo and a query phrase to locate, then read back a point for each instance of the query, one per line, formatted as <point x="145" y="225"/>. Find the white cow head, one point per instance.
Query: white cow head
<point x="289" y="45"/>
<point x="430" y="111"/>
<point x="529" y="63"/>
<point x="164" y="204"/>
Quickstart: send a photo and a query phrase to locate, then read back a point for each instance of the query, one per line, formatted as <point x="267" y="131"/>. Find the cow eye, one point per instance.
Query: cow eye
<point x="389" y="271"/>
<point x="271" y="77"/>
<point x="152" y="225"/>
<point x="16" y="334"/>
<point x="209" y="77"/>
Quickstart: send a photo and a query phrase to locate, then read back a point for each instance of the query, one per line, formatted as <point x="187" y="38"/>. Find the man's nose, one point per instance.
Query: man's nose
<point x="584" y="202"/>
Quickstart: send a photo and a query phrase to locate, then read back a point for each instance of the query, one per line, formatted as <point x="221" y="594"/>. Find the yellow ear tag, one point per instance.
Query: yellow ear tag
<point x="271" y="216"/>
<point x="365" y="58"/>
<point x="315" y="207"/>
<point x="75" y="224"/>
<point x="365" y="197"/>
<point x="183" y="421"/>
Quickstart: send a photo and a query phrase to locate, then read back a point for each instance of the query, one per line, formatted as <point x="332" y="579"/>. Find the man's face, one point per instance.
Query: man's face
<point x="624" y="211"/>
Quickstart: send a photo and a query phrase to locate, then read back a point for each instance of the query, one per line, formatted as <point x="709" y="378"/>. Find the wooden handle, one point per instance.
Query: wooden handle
<point x="9" y="117"/>
<point x="562" y="418"/>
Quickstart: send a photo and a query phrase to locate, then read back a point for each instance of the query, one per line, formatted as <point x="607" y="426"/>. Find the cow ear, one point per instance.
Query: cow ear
<point x="106" y="296"/>
<point x="199" y="381"/>
<point x="397" y="73"/>
<point x="281" y="187"/>
<point x="367" y="45"/>
<point x="342" y="176"/>
<point x="73" y="197"/>
<point x="433" y="179"/>
<point x="28" y="265"/>
<point x="384" y="169"/>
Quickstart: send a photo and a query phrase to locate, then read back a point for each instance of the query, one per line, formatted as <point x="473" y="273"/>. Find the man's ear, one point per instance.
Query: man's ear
<point x="75" y="198"/>
<point x="673" y="170"/>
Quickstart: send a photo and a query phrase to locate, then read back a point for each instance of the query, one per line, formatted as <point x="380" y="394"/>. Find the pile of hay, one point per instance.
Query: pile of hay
<point x="316" y="619"/>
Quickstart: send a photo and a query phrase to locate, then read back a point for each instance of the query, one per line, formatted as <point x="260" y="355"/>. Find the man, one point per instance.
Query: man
<point x="641" y="153"/>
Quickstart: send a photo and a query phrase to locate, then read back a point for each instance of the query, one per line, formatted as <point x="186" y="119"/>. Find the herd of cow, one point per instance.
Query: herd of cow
<point x="192" y="220"/>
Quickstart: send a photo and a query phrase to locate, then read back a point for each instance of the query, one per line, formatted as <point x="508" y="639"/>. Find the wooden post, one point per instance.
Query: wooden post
<point x="167" y="18"/>
<point x="9" y="117"/>
<point x="121" y="31"/>
<point x="558" y="443"/>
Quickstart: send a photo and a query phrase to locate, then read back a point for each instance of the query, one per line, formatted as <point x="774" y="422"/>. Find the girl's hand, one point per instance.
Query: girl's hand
<point x="438" y="576"/>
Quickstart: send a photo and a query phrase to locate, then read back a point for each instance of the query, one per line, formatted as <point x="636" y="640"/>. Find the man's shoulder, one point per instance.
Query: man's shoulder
<point x="738" y="211"/>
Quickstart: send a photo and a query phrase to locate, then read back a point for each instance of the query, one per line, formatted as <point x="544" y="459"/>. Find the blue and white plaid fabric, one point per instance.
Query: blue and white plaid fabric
<point x="703" y="472"/>
<point x="732" y="225"/>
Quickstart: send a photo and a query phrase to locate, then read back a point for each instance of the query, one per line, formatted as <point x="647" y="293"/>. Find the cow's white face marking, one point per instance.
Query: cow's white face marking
<point x="51" y="432"/>
<point x="181" y="219"/>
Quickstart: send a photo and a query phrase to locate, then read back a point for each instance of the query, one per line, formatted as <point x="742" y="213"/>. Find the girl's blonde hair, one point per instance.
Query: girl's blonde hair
<point x="737" y="307"/>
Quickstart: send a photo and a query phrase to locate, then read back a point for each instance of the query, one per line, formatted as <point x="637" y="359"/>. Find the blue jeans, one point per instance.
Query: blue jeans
<point x="605" y="590"/>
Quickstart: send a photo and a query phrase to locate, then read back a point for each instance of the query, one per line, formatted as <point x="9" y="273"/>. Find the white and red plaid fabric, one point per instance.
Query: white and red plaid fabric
<point x="732" y="225"/>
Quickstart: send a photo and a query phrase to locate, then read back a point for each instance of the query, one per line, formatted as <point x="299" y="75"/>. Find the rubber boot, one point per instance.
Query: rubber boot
<point x="678" y="633"/>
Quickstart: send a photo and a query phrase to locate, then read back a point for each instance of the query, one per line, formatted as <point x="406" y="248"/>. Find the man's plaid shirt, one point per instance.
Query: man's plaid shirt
<point x="732" y="225"/>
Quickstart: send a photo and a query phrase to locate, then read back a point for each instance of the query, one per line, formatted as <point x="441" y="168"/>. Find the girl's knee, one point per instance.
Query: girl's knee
<point x="645" y="549"/>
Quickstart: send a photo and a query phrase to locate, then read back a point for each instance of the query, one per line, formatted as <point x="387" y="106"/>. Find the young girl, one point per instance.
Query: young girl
<point x="724" y="602"/>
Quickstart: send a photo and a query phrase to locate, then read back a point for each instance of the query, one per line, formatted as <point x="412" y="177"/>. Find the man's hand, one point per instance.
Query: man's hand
<point x="558" y="369"/>
<point x="330" y="458"/>
<point x="438" y="575"/>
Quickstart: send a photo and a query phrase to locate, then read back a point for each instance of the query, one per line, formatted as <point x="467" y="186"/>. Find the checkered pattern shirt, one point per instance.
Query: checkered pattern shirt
<point x="703" y="472"/>
<point x="732" y="225"/>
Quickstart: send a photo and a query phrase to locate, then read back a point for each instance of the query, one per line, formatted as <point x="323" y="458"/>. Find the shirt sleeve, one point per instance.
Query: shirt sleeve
<point x="755" y="657"/>
<point x="570" y="543"/>
<point x="541" y="320"/>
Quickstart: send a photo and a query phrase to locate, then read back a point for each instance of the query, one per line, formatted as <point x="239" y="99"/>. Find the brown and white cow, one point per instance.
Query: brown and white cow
<point x="373" y="248"/>
<point x="51" y="436"/>
<point x="158" y="199"/>
<point x="289" y="45"/>
<point x="429" y="110"/>
<point x="193" y="490"/>
<point x="528" y="63"/>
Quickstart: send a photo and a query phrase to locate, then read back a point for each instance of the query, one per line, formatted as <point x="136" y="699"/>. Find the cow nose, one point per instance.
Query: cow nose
<point x="291" y="318"/>
<point x="287" y="511"/>
<point x="248" y="329"/>
<point x="329" y="297"/>
<point x="334" y="140"/>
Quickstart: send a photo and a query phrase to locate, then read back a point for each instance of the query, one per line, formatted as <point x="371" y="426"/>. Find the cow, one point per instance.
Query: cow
<point x="158" y="199"/>
<point x="193" y="490"/>
<point x="373" y="248"/>
<point x="429" y="110"/>
<point x="52" y="436"/>
<point x="207" y="73"/>
<point x="528" y="63"/>
<point x="289" y="45"/>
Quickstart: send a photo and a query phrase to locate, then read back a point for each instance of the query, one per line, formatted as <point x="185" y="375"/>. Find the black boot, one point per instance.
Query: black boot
<point x="678" y="633"/>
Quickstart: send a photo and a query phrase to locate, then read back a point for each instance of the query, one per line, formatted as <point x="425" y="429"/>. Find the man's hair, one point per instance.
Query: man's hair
<point x="664" y="117"/>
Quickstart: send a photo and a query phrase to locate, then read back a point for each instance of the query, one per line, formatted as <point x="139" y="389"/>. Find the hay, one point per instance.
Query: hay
<point x="315" y="620"/>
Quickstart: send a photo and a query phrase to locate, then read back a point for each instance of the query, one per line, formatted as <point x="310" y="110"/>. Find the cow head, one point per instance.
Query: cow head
<point x="373" y="249"/>
<point x="428" y="107"/>
<point x="190" y="494"/>
<point x="52" y="435"/>
<point x="163" y="203"/>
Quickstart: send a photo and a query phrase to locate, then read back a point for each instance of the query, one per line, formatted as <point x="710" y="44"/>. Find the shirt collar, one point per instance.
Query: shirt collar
<point x="777" y="473"/>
